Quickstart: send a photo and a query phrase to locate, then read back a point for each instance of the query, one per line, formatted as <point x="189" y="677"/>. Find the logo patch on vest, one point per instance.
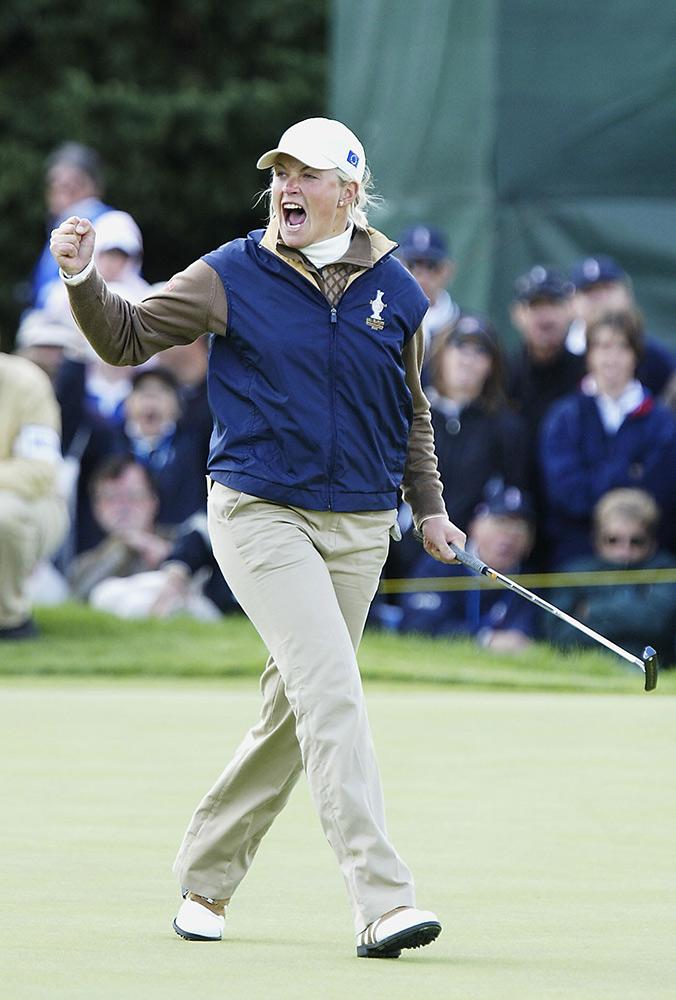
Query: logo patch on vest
<point x="377" y="306"/>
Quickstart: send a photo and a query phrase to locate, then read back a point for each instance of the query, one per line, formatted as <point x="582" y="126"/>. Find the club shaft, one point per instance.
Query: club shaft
<point x="580" y="626"/>
<point x="473" y="563"/>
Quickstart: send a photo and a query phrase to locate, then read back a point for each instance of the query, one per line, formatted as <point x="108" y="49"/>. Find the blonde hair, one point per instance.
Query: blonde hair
<point x="635" y="505"/>
<point x="357" y="211"/>
<point x="365" y="199"/>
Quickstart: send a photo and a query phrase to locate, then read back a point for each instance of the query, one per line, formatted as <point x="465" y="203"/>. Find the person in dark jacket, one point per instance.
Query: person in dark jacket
<point x="172" y="449"/>
<point x="501" y="534"/>
<point x="88" y="440"/>
<point x="631" y="614"/>
<point x="542" y="369"/>
<point x="314" y="386"/>
<point x="611" y="433"/>
<point x="477" y="436"/>
<point x="602" y="285"/>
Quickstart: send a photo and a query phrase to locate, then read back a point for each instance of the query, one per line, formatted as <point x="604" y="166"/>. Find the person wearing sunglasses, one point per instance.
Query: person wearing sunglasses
<point x="630" y="614"/>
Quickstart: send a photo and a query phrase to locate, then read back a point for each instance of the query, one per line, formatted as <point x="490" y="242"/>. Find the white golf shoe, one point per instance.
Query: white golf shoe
<point x="404" y="927"/>
<point x="195" y="922"/>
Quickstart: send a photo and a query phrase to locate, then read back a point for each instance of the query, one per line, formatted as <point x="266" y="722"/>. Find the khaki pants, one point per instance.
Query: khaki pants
<point x="30" y="530"/>
<point x="306" y="580"/>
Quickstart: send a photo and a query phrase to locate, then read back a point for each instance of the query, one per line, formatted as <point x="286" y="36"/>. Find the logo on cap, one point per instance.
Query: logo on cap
<point x="421" y="238"/>
<point x="352" y="158"/>
<point x="591" y="269"/>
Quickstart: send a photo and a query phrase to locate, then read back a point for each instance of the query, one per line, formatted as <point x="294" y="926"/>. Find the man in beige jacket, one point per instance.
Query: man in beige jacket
<point x="33" y="514"/>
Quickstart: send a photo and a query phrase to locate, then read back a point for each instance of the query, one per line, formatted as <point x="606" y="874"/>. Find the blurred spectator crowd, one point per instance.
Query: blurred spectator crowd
<point x="557" y="455"/>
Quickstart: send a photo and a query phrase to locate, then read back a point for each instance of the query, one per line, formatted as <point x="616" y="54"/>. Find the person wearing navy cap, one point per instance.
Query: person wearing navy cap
<point x="426" y="253"/>
<point x="541" y="369"/>
<point x="592" y="272"/>
<point x="601" y="285"/>
<point x="501" y="533"/>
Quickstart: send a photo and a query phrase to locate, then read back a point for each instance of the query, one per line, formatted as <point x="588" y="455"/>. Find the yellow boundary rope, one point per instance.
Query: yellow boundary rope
<point x="595" y="578"/>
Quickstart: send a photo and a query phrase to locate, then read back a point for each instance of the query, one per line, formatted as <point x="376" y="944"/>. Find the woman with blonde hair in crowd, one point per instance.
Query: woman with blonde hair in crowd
<point x="630" y="614"/>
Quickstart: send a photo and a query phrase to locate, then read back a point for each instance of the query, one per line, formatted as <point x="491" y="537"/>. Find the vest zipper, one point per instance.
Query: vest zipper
<point x="332" y="379"/>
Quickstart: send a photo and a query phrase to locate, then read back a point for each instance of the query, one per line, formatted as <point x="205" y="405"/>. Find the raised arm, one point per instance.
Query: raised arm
<point x="191" y="304"/>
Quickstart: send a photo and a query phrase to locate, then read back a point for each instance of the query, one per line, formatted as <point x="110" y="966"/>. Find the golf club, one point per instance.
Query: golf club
<point x="648" y="664"/>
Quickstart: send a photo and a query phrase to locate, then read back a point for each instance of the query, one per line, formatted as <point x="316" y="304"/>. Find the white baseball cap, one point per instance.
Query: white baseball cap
<point x="321" y="143"/>
<point x="118" y="231"/>
<point x="38" y="329"/>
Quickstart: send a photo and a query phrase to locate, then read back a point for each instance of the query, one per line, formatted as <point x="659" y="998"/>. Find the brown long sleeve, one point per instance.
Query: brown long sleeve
<point x="421" y="486"/>
<point x="192" y="303"/>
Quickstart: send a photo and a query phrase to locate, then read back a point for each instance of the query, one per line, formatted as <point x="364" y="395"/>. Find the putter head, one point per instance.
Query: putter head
<point x="651" y="668"/>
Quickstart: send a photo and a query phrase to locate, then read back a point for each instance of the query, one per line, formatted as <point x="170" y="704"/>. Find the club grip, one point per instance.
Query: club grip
<point x="469" y="560"/>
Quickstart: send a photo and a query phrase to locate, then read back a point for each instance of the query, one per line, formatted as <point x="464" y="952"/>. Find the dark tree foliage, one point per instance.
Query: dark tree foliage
<point x="179" y="97"/>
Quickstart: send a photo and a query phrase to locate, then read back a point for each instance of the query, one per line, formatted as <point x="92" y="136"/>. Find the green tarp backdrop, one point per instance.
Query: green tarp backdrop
<point x="531" y="131"/>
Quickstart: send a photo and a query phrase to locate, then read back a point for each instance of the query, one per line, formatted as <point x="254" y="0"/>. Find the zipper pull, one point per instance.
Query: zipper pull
<point x="334" y="315"/>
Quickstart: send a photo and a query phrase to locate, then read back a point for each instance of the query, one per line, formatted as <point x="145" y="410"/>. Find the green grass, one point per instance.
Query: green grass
<point x="539" y="826"/>
<point x="79" y="641"/>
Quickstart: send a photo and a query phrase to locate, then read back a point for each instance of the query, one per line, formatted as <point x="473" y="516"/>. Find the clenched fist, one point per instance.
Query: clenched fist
<point x="72" y="244"/>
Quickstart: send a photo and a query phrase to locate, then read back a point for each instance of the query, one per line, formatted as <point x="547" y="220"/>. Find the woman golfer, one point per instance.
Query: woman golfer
<point x="314" y="385"/>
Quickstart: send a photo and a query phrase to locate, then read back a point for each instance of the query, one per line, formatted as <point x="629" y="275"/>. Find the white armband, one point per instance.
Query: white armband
<point x="77" y="279"/>
<point x="39" y="443"/>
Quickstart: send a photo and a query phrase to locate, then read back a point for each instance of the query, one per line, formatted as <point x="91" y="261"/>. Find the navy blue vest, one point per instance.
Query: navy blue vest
<point x="310" y="403"/>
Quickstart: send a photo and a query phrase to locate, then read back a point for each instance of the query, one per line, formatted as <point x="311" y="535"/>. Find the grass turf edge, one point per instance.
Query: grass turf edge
<point x="76" y="640"/>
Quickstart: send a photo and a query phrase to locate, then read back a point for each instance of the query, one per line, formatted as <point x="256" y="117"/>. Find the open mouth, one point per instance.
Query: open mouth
<point x="294" y="214"/>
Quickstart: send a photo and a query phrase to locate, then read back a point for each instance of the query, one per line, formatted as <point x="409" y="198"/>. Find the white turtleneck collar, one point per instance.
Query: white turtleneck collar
<point x="614" y="410"/>
<point x="329" y="251"/>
